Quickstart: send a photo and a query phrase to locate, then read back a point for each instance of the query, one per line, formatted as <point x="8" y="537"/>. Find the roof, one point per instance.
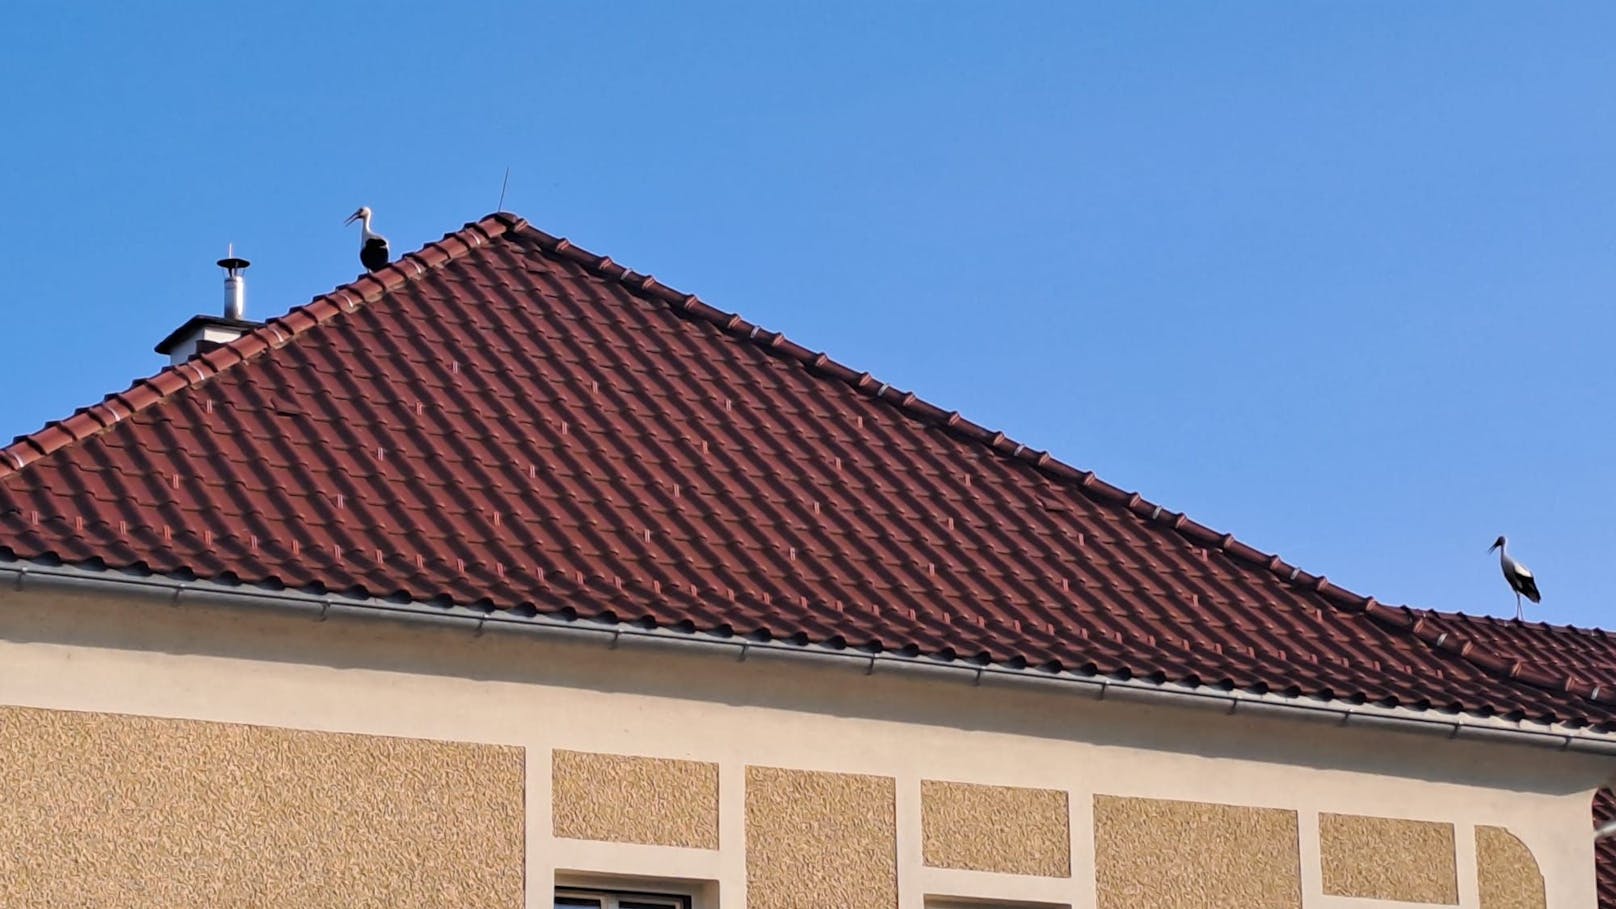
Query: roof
<point x="504" y="419"/>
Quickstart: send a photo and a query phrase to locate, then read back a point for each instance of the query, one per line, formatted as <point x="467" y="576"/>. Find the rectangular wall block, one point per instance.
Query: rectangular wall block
<point x="625" y="799"/>
<point x="1388" y="859"/>
<point x="820" y="839"/>
<point x="995" y="828"/>
<point x="1158" y="854"/>
<point x="137" y="812"/>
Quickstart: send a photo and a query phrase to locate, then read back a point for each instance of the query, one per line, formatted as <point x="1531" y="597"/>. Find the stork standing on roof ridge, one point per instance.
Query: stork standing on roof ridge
<point x="1520" y="578"/>
<point x="373" y="252"/>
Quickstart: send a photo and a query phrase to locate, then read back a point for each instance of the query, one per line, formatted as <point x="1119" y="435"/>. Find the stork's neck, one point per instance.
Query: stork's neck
<point x="365" y="233"/>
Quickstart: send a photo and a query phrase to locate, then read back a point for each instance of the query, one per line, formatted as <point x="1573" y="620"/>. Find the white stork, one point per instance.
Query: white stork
<point x="373" y="251"/>
<point x="1520" y="578"/>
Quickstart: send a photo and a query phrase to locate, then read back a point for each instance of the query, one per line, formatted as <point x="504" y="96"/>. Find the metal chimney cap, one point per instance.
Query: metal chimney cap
<point x="233" y="263"/>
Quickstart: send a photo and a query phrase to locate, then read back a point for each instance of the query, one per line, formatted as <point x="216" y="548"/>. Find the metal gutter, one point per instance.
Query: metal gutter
<point x="25" y="576"/>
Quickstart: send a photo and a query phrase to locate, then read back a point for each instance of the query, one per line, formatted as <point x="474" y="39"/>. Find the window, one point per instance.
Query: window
<point x="963" y="903"/>
<point x="580" y="898"/>
<point x="967" y="903"/>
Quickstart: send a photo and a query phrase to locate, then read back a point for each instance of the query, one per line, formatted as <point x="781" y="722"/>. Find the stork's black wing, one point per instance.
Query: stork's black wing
<point x="1527" y="585"/>
<point x="373" y="255"/>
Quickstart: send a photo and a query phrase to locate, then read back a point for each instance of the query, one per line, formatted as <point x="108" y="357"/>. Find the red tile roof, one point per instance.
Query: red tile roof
<point x="1586" y="655"/>
<point x="505" y="419"/>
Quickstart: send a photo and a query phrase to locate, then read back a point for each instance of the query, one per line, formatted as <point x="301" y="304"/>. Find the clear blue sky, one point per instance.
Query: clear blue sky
<point x="1337" y="278"/>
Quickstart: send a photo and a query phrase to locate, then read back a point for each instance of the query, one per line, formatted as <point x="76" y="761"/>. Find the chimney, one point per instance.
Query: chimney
<point x="203" y="333"/>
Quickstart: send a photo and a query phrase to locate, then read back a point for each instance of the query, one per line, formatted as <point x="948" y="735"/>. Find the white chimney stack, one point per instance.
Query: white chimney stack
<point x="203" y="333"/>
<point x="235" y="285"/>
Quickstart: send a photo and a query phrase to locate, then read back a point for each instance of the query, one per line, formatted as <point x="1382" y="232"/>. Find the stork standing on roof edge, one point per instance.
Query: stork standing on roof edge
<point x="373" y="252"/>
<point x="1520" y="578"/>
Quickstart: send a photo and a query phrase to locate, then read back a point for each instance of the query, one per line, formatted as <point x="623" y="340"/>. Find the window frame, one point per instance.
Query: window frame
<point x="613" y="898"/>
<point x="934" y="901"/>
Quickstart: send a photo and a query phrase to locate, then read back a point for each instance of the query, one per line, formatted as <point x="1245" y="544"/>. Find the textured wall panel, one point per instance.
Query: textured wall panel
<point x="135" y="812"/>
<point x="1388" y="859"/>
<point x="995" y="828"/>
<point x="635" y="799"/>
<point x="1507" y="872"/>
<point x="819" y="839"/>
<point x="1155" y="854"/>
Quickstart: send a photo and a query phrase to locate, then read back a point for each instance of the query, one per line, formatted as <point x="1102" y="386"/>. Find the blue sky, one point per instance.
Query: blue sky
<point x="1337" y="278"/>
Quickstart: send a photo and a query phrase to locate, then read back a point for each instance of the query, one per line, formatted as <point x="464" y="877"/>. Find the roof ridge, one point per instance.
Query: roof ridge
<point x="276" y="332"/>
<point x="1496" y="621"/>
<point x="1395" y="618"/>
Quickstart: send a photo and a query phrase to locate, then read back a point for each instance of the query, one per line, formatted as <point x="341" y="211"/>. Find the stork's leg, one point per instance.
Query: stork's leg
<point x="1518" y="614"/>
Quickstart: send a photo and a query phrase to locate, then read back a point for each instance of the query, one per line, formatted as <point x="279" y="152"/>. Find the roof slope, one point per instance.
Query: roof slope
<point x="1585" y="655"/>
<point x="505" y="419"/>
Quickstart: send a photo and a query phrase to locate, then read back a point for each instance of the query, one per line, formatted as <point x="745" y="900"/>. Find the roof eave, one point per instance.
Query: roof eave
<point x="23" y="575"/>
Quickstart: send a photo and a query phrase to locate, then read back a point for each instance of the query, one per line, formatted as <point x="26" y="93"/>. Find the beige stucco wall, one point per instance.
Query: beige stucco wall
<point x="1007" y="829"/>
<point x="820" y="839"/>
<point x="1181" y="855"/>
<point x="1508" y="874"/>
<point x="620" y="798"/>
<point x="101" y="809"/>
<point x="887" y="733"/>
<point x="1389" y="858"/>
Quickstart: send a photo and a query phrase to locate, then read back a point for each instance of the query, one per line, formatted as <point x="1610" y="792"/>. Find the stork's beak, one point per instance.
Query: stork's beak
<point x="1492" y="547"/>
<point x="352" y="218"/>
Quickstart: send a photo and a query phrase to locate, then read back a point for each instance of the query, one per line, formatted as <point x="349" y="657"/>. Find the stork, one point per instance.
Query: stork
<point x="373" y="251"/>
<point x="1520" y="578"/>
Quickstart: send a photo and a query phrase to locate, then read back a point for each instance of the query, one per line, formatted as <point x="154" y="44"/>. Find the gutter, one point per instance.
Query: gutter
<point x="25" y="576"/>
